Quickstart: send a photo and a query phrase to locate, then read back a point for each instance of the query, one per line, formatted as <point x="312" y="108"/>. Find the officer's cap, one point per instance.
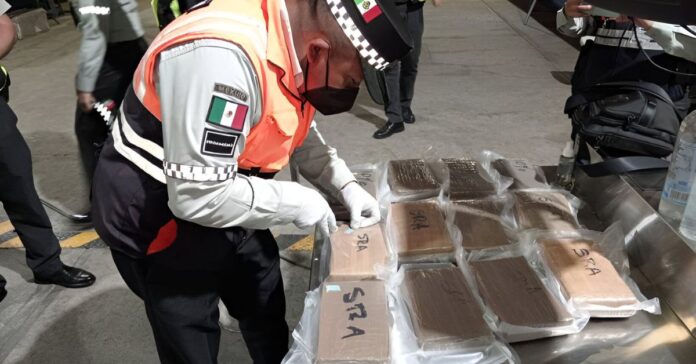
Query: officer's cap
<point x="375" y="28"/>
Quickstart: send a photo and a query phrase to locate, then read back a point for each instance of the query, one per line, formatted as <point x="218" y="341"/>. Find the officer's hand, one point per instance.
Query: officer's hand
<point x="85" y="101"/>
<point x="576" y="8"/>
<point x="363" y="208"/>
<point x="315" y="211"/>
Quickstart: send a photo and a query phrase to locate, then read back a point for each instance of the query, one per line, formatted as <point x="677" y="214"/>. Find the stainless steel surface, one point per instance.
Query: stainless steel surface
<point x="663" y="266"/>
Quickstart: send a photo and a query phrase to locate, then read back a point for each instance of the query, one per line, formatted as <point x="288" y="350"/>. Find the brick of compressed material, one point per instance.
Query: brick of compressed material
<point x="356" y="253"/>
<point x="523" y="173"/>
<point x="353" y="323"/>
<point x="481" y="224"/>
<point x="418" y="228"/>
<point x="544" y="210"/>
<point x="467" y="179"/>
<point x="586" y="276"/>
<point x="411" y="177"/>
<point x="515" y="293"/>
<point x="443" y="310"/>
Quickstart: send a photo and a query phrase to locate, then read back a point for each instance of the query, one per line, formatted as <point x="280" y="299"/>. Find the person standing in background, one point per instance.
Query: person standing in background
<point x="111" y="48"/>
<point x="18" y="194"/>
<point x="401" y="76"/>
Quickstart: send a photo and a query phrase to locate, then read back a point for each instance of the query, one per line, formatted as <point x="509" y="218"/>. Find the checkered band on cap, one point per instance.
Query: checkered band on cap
<point x="366" y="50"/>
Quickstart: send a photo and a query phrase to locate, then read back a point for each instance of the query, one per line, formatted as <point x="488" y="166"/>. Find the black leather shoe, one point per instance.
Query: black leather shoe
<point x="410" y="119"/>
<point x="69" y="277"/>
<point x="388" y="129"/>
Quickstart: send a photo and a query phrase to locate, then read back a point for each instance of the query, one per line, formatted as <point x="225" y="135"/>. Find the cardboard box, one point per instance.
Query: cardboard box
<point x="355" y="253"/>
<point x="443" y="311"/>
<point x="468" y="180"/>
<point x="418" y="228"/>
<point x="411" y="176"/>
<point x="587" y="276"/>
<point x="29" y="22"/>
<point x="544" y="211"/>
<point x="353" y="323"/>
<point x="523" y="173"/>
<point x="481" y="224"/>
<point x="515" y="293"/>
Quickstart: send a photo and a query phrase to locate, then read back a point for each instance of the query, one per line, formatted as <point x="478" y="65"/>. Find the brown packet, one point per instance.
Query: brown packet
<point x="481" y="224"/>
<point x="355" y="254"/>
<point x="418" y="229"/>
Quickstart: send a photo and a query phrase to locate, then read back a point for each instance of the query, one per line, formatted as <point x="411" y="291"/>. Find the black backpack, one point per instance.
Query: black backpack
<point x="631" y="124"/>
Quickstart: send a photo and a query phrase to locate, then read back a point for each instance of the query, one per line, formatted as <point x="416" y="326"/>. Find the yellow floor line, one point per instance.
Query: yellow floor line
<point x="6" y="227"/>
<point x="304" y="244"/>
<point x="71" y="242"/>
<point x="80" y="239"/>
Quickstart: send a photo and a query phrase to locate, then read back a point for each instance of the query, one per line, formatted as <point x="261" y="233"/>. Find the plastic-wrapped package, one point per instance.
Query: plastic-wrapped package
<point x="411" y="179"/>
<point x="468" y="180"/>
<point x="417" y="232"/>
<point x="343" y="323"/>
<point x="366" y="176"/>
<point x="554" y="210"/>
<point x="439" y="320"/>
<point x="484" y="223"/>
<point x="353" y="323"/>
<point x="589" y="280"/>
<point x="357" y="254"/>
<point x="522" y="303"/>
<point x="523" y="173"/>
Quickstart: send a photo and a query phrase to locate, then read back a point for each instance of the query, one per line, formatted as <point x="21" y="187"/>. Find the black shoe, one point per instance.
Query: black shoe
<point x="410" y="119"/>
<point x="67" y="277"/>
<point x="388" y="129"/>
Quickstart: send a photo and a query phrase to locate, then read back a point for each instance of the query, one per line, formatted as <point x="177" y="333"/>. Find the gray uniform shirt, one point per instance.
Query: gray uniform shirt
<point x="102" y="22"/>
<point x="210" y="99"/>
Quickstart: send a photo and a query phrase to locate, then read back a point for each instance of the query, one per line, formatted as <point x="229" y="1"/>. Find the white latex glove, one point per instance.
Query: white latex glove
<point x="363" y="208"/>
<point x="314" y="211"/>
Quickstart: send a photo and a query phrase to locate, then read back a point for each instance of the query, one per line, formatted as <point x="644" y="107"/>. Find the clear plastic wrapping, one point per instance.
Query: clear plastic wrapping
<point x="468" y="179"/>
<point x="523" y="173"/>
<point x="437" y="319"/>
<point x="366" y="175"/>
<point x="343" y="323"/>
<point x="411" y="179"/>
<point x="555" y="210"/>
<point x="483" y="223"/>
<point x="522" y="302"/>
<point x="417" y="231"/>
<point x="358" y="254"/>
<point x="592" y="271"/>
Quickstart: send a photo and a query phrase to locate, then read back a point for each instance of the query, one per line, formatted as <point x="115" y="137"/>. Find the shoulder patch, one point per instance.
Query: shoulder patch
<point x="226" y="113"/>
<point x="231" y="91"/>
<point x="219" y="144"/>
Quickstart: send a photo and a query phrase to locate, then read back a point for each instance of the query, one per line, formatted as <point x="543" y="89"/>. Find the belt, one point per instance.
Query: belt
<point x="256" y="172"/>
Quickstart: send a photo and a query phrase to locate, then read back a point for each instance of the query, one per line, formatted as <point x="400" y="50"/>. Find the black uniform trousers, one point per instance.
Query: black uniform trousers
<point x="20" y="200"/>
<point x="181" y="287"/>
<point x="400" y="77"/>
<point x="115" y="76"/>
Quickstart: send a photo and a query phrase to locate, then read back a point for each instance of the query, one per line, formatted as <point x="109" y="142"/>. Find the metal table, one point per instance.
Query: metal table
<point x="663" y="265"/>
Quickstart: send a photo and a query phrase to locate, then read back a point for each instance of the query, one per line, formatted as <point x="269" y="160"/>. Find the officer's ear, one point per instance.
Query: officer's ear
<point x="318" y="51"/>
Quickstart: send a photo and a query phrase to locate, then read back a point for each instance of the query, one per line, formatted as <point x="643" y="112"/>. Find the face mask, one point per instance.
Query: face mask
<point x="330" y="100"/>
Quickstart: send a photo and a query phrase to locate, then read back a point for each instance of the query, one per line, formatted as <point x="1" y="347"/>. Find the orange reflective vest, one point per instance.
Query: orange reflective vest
<point x="256" y="26"/>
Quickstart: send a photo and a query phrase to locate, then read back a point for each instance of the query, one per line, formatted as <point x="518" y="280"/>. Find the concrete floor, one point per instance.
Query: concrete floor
<point x="486" y="81"/>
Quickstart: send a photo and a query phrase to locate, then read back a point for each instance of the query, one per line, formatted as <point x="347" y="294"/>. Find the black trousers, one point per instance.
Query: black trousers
<point x="20" y="200"/>
<point x="181" y="287"/>
<point x="115" y="76"/>
<point x="400" y="77"/>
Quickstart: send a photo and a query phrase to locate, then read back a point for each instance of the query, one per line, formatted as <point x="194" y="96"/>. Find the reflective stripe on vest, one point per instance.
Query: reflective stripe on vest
<point x="259" y="29"/>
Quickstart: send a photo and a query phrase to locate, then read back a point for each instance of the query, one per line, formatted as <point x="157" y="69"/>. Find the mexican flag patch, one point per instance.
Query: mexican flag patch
<point x="227" y="113"/>
<point x="368" y="9"/>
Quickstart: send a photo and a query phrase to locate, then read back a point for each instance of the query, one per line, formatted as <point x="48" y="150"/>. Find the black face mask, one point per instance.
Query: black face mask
<point x="330" y="100"/>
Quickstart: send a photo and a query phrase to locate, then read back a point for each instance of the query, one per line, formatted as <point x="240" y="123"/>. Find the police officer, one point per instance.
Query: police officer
<point x="183" y="193"/>
<point x="18" y="195"/>
<point x="400" y="77"/>
<point x="111" y="47"/>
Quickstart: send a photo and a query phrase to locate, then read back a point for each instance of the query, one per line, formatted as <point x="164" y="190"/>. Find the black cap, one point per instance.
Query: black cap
<point x="375" y="28"/>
